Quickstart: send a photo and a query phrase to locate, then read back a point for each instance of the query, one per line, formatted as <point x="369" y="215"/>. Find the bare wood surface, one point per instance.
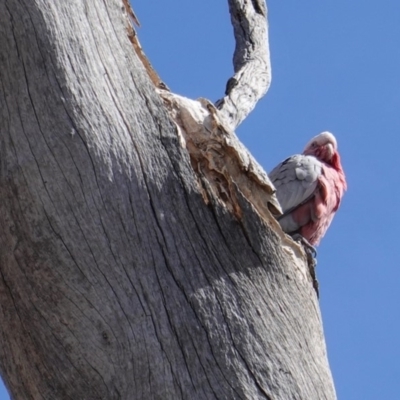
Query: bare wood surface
<point x="118" y="279"/>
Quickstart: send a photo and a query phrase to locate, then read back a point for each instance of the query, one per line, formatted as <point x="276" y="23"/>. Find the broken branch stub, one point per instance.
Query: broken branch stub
<point x="219" y="158"/>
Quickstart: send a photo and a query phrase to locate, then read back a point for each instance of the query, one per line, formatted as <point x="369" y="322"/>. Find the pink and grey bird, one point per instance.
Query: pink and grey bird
<point x="309" y="188"/>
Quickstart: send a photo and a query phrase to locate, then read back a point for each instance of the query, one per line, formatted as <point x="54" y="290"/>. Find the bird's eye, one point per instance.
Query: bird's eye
<point x="314" y="144"/>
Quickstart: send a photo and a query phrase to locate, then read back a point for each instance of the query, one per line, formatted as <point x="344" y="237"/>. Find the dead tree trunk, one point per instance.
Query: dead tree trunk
<point x="130" y="269"/>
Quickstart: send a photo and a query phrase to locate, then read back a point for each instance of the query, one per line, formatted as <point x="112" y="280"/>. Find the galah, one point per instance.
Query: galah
<point x="309" y="188"/>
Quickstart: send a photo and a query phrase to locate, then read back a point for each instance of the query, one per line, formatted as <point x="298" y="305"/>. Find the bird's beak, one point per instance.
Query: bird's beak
<point x="330" y="150"/>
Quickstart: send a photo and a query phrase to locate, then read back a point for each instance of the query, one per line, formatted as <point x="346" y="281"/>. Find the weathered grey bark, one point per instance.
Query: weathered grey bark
<point x="117" y="279"/>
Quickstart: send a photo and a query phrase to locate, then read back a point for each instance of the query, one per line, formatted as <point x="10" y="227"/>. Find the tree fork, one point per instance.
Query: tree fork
<point x="129" y="269"/>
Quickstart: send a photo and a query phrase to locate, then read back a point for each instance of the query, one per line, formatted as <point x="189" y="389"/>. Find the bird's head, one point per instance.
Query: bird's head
<point x="322" y="146"/>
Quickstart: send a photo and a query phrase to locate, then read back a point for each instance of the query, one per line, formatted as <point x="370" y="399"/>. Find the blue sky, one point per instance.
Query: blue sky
<point x="336" y="66"/>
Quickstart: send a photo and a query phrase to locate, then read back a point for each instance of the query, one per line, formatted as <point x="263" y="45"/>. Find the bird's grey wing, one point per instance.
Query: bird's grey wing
<point x="295" y="180"/>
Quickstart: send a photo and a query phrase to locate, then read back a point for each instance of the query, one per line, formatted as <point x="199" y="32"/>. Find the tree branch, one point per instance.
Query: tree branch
<point x="251" y="61"/>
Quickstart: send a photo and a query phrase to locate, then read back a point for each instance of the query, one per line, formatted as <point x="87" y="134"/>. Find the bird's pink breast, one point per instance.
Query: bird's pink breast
<point x="315" y="216"/>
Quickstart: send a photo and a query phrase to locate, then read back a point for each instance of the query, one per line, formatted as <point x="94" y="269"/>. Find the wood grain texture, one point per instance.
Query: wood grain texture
<point x="251" y="61"/>
<point x="117" y="280"/>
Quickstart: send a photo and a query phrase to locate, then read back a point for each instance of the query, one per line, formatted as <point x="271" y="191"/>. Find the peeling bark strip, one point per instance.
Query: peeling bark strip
<point x="117" y="280"/>
<point x="132" y="19"/>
